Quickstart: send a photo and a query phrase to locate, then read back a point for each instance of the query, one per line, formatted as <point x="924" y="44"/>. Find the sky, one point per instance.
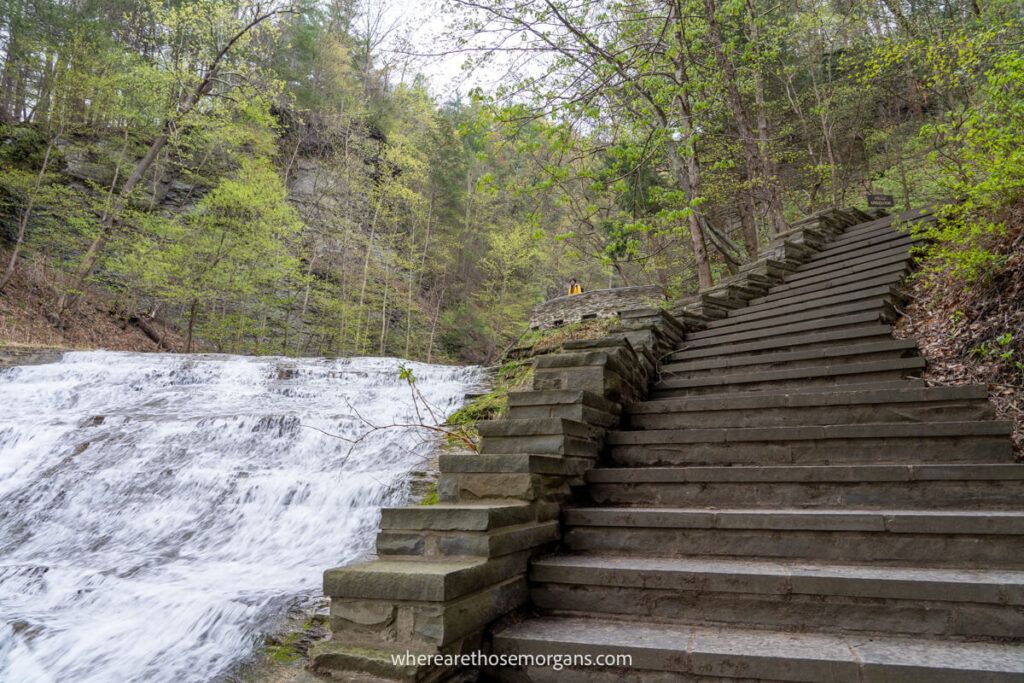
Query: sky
<point x="421" y="28"/>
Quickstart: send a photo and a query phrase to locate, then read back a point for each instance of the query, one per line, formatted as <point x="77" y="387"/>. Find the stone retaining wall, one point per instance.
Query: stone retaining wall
<point x="597" y="303"/>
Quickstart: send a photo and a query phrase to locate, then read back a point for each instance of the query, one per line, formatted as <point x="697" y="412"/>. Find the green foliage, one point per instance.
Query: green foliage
<point x="510" y="376"/>
<point x="1004" y="351"/>
<point x="287" y="651"/>
<point x="318" y="201"/>
<point x="981" y="156"/>
<point x="431" y="497"/>
<point x="235" y="248"/>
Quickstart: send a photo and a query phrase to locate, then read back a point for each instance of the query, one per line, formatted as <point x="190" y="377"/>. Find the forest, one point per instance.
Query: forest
<point x="278" y="177"/>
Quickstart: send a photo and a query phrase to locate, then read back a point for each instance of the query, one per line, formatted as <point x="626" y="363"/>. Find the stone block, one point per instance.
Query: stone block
<point x="365" y="620"/>
<point x="446" y="623"/>
<point x="420" y="580"/>
<point x="456" y="516"/>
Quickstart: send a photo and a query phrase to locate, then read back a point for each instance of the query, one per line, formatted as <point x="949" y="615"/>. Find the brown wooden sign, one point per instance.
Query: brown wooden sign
<point x="881" y="201"/>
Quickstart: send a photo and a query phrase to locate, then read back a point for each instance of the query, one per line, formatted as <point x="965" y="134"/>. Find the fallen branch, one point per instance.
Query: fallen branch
<point x="417" y="399"/>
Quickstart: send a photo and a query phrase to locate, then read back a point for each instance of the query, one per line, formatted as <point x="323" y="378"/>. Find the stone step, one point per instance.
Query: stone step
<point x="911" y="430"/>
<point x="858" y="275"/>
<point x="923" y="601"/>
<point x="548" y="436"/>
<point x="843" y="275"/>
<point x="837" y="382"/>
<point x="788" y="334"/>
<point x="580" y="406"/>
<point x="678" y="652"/>
<point x="876" y="238"/>
<point x="861" y="233"/>
<point x="884" y="287"/>
<point x="822" y="291"/>
<point x="833" y="355"/>
<point x="945" y="487"/>
<point x="859" y="265"/>
<point x="753" y="328"/>
<point x="844" y="335"/>
<point x="898" y="443"/>
<point x="860" y="253"/>
<point x="814" y="375"/>
<point x="440" y="545"/>
<point x="909" y="404"/>
<point x="805" y="309"/>
<point x="988" y="539"/>
<point x="865" y="229"/>
<point x="456" y="516"/>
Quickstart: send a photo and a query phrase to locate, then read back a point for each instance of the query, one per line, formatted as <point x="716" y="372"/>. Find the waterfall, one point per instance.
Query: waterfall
<point x="158" y="512"/>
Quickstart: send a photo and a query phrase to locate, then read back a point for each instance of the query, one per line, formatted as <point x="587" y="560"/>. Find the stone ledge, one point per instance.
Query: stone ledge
<point x="508" y="463"/>
<point x="457" y="516"/>
<point x="420" y="580"/>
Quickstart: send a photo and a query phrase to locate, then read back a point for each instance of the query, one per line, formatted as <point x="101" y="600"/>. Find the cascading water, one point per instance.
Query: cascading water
<point x="158" y="511"/>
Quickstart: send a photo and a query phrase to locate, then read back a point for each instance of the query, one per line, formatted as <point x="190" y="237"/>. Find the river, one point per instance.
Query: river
<point x="158" y="512"/>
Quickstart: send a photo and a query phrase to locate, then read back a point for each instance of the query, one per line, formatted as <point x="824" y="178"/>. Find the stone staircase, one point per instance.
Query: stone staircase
<point x="789" y="504"/>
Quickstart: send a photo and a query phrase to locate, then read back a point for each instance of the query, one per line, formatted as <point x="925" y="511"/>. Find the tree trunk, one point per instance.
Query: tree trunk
<point x="757" y="165"/>
<point x="384" y="309"/>
<point x="191" y="325"/>
<point x="748" y="222"/>
<point x="9" y="78"/>
<point x="26" y="213"/>
<point x="433" y="324"/>
<point x="763" y="131"/>
<point x="366" y="276"/>
<point x="700" y="249"/>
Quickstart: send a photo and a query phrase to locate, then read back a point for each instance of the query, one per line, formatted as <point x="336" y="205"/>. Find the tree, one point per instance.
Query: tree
<point x="204" y="25"/>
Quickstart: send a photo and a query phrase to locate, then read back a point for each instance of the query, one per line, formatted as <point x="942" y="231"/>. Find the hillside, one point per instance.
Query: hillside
<point x="282" y="178"/>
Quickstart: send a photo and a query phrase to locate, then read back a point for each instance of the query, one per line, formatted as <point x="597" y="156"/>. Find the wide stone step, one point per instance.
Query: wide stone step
<point x="748" y="314"/>
<point x="822" y="291"/>
<point x="844" y="275"/>
<point x="879" y="238"/>
<point x="809" y="433"/>
<point x="881" y="443"/>
<point x="756" y="328"/>
<point x="787" y="335"/>
<point x="838" y="336"/>
<point x="826" y="407"/>
<point x="865" y="230"/>
<point x="976" y="539"/>
<point x="863" y="253"/>
<point x="886" y="378"/>
<point x="806" y="309"/>
<point x="857" y="276"/>
<point x="679" y="652"/>
<point x="833" y="355"/>
<point x="859" y="265"/>
<point x="928" y="601"/>
<point x="810" y="375"/>
<point x="987" y="486"/>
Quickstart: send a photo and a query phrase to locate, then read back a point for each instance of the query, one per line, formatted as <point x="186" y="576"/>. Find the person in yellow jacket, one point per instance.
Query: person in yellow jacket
<point x="574" y="287"/>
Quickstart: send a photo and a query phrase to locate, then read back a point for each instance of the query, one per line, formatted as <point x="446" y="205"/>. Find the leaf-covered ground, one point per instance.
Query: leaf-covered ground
<point x="95" y="324"/>
<point x="976" y="335"/>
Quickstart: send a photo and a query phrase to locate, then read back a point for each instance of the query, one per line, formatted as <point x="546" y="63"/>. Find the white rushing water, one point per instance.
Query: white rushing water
<point x="158" y="511"/>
